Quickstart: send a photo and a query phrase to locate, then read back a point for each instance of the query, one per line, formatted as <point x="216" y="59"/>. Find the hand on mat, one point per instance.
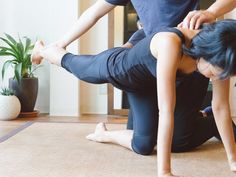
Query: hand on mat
<point x="233" y="166"/>
<point x="196" y="18"/>
<point x="167" y="175"/>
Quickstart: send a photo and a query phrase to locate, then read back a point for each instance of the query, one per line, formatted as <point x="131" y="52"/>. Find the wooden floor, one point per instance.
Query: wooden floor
<point x="8" y="126"/>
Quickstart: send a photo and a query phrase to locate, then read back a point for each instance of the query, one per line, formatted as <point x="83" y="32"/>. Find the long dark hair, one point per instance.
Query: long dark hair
<point x="216" y="43"/>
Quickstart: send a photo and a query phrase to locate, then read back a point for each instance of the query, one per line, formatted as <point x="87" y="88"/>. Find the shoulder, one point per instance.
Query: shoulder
<point x="165" y="41"/>
<point x="167" y="37"/>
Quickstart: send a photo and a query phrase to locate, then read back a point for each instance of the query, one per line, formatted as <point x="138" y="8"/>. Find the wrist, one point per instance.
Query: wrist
<point x="232" y="155"/>
<point x="232" y="159"/>
<point x="61" y="44"/>
<point x="163" y="174"/>
<point x="212" y="13"/>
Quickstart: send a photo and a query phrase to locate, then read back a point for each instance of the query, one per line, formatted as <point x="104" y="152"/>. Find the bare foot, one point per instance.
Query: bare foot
<point x="53" y="54"/>
<point x="36" y="58"/>
<point x="98" y="134"/>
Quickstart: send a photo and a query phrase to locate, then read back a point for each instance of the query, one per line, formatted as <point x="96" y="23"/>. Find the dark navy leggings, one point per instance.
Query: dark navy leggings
<point x="190" y="130"/>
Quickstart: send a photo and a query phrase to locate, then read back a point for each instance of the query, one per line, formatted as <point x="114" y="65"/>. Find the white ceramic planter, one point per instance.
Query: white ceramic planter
<point x="9" y="107"/>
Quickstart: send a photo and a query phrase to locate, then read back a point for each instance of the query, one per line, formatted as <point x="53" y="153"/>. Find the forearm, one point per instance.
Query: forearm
<point x="164" y="141"/>
<point x="224" y="125"/>
<point x="85" y="22"/>
<point x="220" y="7"/>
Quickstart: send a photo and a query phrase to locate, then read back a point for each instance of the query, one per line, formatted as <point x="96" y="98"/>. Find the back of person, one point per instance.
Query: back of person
<point x="165" y="13"/>
<point x="135" y="69"/>
<point x="155" y="14"/>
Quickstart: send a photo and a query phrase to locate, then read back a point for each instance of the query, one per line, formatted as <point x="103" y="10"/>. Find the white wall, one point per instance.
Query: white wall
<point x="232" y="15"/>
<point x="17" y="18"/>
<point x="118" y="41"/>
<point x="47" y="20"/>
<point x="93" y="98"/>
<point x="64" y="87"/>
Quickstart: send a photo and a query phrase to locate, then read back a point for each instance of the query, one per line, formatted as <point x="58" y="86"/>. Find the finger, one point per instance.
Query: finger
<point x="193" y="21"/>
<point x="180" y="25"/>
<point x="199" y="22"/>
<point x="187" y="19"/>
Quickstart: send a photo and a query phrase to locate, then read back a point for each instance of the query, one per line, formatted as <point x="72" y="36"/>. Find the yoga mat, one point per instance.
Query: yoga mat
<point x="44" y="149"/>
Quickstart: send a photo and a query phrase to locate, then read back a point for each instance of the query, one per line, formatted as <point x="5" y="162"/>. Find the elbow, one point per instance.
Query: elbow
<point x="220" y="108"/>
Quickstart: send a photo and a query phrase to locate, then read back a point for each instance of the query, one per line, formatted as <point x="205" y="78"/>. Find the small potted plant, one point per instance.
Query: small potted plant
<point x="24" y="84"/>
<point x="9" y="104"/>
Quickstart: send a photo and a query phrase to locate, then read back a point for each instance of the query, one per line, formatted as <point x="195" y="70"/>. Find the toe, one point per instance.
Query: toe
<point x="90" y="137"/>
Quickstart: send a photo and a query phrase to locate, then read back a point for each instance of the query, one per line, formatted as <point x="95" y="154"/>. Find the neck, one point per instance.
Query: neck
<point x="187" y="65"/>
<point x="188" y="34"/>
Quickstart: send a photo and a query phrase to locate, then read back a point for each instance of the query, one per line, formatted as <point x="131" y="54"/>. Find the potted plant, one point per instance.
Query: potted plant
<point x="9" y="104"/>
<point x="24" y="84"/>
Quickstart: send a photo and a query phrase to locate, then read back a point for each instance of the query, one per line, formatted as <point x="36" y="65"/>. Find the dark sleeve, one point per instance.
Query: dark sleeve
<point x="137" y="36"/>
<point x="118" y="2"/>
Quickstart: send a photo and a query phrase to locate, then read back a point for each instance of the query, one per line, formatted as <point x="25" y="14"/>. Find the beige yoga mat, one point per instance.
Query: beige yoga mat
<point x="61" y="150"/>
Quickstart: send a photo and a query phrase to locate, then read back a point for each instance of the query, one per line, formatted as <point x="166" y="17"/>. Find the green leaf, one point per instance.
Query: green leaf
<point x="18" y="69"/>
<point x="6" y="49"/>
<point x="6" y="92"/>
<point x="31" y="47"/>
<point x="27" y="45"/>
<point x="20" y="51"/>
<point x="5" y="66"/>
<point x="12" y="46"/>
<point x="33" y="70"/>
<point x="11" y="39"/>
<point x="4" y="53"/>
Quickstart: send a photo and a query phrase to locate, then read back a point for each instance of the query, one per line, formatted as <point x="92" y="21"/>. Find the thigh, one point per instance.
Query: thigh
<point x="144" y="109"/>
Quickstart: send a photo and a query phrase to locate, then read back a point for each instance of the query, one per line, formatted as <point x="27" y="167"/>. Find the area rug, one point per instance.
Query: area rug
<point x="43" y="149"/>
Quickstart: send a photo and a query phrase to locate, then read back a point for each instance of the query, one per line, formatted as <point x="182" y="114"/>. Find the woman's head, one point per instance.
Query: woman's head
<point x="216" y="44"/>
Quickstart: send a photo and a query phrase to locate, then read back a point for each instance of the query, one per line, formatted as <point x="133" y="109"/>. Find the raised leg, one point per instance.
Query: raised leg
<point x="89" y="68"/>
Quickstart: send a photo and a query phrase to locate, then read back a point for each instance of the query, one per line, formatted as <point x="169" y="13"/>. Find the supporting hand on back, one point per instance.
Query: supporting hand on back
<point x="196" y="18"/>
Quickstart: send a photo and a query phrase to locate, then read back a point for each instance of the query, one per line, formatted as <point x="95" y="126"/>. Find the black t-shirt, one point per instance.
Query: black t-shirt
<point x="156" y="14"/>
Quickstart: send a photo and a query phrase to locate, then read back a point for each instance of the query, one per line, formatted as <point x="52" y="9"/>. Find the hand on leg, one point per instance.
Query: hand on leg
<point x="52" y="53"/>
<point x="36" y="58"/>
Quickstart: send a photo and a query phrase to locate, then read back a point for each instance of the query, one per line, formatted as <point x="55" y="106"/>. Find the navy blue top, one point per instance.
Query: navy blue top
<point x="136" y="37"/>
<point x="155" y="14"/>
<point x="134" y="69"/>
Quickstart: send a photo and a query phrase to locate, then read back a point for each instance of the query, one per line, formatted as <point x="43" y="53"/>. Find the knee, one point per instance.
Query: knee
<point x="143" y="145"/>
